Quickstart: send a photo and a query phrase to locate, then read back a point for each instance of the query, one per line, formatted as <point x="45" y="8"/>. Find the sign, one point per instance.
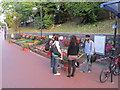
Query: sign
<point x="100" y="44"/>
<point x="115" y="26"/>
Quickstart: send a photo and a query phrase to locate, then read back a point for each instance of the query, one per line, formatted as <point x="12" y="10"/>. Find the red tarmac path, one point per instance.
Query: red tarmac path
<point x="22" y="69"/>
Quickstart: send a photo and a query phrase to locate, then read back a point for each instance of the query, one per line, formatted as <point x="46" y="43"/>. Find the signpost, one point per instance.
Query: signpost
<point x="99" y="42"/>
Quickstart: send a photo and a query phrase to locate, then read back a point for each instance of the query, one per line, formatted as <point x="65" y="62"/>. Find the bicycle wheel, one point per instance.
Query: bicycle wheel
<point x="115" y="71"/>
<point x="104" y="75"/>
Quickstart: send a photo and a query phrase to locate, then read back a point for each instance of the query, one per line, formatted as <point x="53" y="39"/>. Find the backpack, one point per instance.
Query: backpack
<point x="93" y="58"/>
<point x="47" y="46"/>
<point x="54" y="50"/>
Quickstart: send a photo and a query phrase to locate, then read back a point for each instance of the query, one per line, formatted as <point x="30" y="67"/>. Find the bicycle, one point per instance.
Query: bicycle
<point x="112" y="69"/>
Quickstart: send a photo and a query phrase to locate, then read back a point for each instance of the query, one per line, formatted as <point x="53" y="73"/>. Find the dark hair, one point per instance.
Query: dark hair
<point x="57" y="38"/>
<point x="58" y="35"/>
<point x="54" y="34"/>
<point x="73" y="40"/>
<point x="87" y="35"/>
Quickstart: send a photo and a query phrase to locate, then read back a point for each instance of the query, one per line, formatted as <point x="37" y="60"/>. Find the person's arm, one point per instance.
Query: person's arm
<point x="58" y="47"/>
<point x="92" y="48"/>
<point x="78" y="49"/>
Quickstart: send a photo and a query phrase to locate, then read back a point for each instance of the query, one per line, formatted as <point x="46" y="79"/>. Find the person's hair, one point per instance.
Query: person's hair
<point x="73" y="40"/>
<point x="54" y="34"/>
<point x="87" y="35"/>
<point x="58" y="35"/>
<point x="57" y="38"/>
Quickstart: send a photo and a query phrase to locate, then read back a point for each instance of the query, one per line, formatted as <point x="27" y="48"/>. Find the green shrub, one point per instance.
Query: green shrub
<point x="25" y="46"/>
<point x="47" y="38"/>
<point x="9" y="40"/>
<point x="48" y="21"/>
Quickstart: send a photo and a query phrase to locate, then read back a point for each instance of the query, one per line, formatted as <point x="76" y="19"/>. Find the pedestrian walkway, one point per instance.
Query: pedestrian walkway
<point x="22" y="69"/>
<point x="0" y="60"/>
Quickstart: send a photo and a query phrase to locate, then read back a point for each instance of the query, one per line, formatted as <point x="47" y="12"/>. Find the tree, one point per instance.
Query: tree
<point x="13" y="20"/>
<point x="90" y="11"/>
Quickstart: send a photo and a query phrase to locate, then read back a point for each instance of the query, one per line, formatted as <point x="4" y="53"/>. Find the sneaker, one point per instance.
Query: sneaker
<point x="57" y="74"/>
<point x="72" y="75"/>
<point x="68" y="76"/>
<point x="59" y="67"/>
<point x="89" y="71"/>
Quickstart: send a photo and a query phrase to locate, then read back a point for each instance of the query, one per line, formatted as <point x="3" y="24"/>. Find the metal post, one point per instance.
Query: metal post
<point x="115" y="32"/>
<point x="119" y="34"/>
<point x="41" y="20"/>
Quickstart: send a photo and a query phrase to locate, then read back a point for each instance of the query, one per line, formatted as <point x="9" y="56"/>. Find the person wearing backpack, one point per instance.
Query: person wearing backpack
<point x="57" y="54"/>
<point x="47" y="48"/>
<point x="89" y="52"/>
<point x="51" y="42"/>
<point x="73" y="51"/>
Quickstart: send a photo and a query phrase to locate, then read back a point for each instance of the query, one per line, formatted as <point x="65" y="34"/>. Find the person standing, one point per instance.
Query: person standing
<point x="56" y="58"/>
<point x="50" y="43"/>
<point x="73" y="50"/>
<point x="89" y="51"/>
<point x="5" y="32"/>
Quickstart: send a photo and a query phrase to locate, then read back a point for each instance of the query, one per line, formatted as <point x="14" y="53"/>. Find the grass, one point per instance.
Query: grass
<point x="103" y="27"/>
<point x="24" y="29"/>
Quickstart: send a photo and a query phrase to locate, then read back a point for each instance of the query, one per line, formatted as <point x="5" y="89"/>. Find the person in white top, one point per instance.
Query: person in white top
<point x="56" y="57"/>
<point x="89" y="51"/>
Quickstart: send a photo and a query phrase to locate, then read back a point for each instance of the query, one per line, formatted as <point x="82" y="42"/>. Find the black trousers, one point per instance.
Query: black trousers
<point x="5" y="36"/>
<point x="71" y="65"/>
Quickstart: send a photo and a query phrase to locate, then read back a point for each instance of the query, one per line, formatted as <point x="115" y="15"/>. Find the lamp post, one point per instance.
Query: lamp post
<point x="58" y="8"/>
<point x="35" y="8"/>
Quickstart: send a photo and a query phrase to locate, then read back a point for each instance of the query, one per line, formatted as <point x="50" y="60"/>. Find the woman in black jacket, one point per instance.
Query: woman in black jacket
<point x="73" y="50"/>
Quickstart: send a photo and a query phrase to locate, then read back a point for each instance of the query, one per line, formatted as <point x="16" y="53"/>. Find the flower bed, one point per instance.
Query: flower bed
<point x="33" y="43"/>
<point x="10" y="40"/>
<point x="24" y="41"/>
<point x="66" y="42"/>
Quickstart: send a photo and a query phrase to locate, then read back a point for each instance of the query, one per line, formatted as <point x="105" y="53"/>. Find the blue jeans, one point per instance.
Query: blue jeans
<point x="51" y="62"/>
<point x="87" y="63"/>
<point x="55" y="63"/>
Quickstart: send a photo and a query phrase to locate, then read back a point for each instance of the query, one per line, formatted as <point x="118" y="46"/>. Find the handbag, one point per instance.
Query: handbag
<point x="76" y="63"/>
<point x="93" y="58"/>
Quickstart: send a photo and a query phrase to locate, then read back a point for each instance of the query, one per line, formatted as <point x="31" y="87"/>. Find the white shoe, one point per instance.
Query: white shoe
<point x="59" y="67"/>
<point x="89" y="71"/>
<point x="57" y="74"/>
